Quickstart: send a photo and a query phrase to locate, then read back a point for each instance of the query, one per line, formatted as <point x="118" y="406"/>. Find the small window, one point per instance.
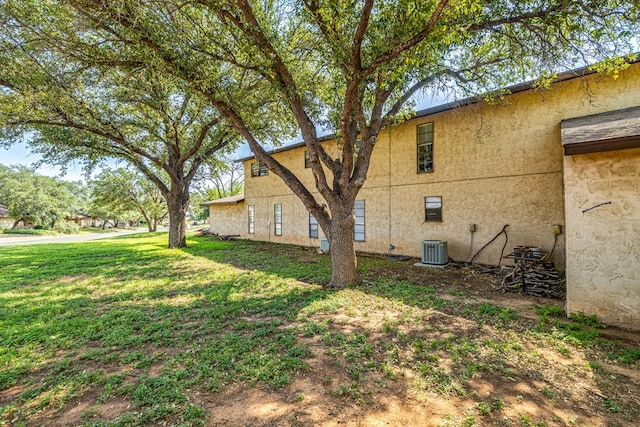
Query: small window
<point x="358" y="229"/>
<point x="277" y="219"/>
<point x="433" y="208"/>
<point x="313" y="227"/>
<point x="307" y="161"/>
<point x="252" y="220"/>
<point x="425" y="148"/>
<point x="259" y="169"/>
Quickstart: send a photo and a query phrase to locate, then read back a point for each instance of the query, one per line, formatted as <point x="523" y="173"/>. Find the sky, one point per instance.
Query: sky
<point x="19" y="154"/>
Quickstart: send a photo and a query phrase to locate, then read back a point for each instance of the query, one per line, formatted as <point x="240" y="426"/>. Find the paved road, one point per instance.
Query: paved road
<point x="21" y="239"/>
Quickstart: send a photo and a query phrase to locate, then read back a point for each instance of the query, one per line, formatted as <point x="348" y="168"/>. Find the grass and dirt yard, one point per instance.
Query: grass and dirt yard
<point x="126" y="332"/>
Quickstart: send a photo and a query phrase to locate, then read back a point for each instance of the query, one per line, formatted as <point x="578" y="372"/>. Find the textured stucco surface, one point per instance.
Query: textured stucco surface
<point x="603" y="243"/>
<point x="228" y="219"/>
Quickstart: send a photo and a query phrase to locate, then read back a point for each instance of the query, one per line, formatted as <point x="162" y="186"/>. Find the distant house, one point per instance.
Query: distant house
<point x="543" y="162"/>
<point x="5" y="220"/>
<point x="83" y="220"/>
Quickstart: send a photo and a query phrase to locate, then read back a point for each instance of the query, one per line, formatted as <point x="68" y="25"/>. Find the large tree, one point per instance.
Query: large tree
<point x="122" y="190"/>
<point x="349" y="66"/>
<point x="166" y="132"/>
<point x="70" y="108"/>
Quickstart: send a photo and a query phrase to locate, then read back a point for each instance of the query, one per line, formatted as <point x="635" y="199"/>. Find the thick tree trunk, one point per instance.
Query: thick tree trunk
<point x="344" y="264"/>
<point x="178" y="219"/>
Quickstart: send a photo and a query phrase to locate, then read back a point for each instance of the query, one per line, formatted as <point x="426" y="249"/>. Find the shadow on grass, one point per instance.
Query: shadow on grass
<point x="129" y="319"/>
<point x="118" y="308"/>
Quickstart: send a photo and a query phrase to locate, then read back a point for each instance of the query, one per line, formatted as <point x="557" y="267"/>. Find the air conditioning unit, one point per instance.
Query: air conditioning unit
<point x="324" y="245"/>
<point x="434" y="252"/>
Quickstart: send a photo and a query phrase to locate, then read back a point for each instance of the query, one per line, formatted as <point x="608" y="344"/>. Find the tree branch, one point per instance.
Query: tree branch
<point x="358" y="36"/>
<point x="396" y="50"/>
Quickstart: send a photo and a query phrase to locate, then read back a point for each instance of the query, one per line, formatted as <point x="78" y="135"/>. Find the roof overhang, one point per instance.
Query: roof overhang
<point x="232" y="200"/>
<point x="614" y="130"/>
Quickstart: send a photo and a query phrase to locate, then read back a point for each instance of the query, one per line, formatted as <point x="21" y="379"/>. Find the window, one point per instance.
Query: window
<point x="425" y="148"/>
<point x="277" y="219"/>
<point x="313" y="227"/>
<point x="307" y="162"/>
<point x="433" y="208"/>
<point x="358" y="230"/>
<point x="259" y="169"/>
<point x="252" y="220"/>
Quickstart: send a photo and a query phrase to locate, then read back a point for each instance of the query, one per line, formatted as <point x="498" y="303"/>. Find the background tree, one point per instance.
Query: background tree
<point x="111" y="215"/>
<point x="351" y="67"/>
<point x="216" y="180"/>
<point x="72" y="109"/>
<point x="40" y="200"/>
<point x="122" y="190"/>
<point x="222" y="178"/>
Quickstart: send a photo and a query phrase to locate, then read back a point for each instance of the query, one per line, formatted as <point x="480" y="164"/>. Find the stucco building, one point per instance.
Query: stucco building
<point x="461" y="172"/>
<point x="5" y="220"/>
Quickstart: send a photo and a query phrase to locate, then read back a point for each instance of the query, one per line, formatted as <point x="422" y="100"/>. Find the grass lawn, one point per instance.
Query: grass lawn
<point x="126" y="332"/>
<point x="54" y="232"/>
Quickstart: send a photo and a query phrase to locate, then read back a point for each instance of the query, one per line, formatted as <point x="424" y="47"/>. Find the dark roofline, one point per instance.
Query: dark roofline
<point x="231" y="200"/>
<point x="289" y="147"/>
<point x="513" y="89"/>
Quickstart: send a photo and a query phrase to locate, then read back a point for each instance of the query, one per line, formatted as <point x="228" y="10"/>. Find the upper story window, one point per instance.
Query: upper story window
<point x="307" y="162"/>
<point x="358" y="229"/>
<point x="259" y="169"/>
<point x="425" y="147"/>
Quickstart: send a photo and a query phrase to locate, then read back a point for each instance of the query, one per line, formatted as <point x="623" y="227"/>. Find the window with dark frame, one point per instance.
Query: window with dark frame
<point x="313" y="227"/>
<point x="277" y="219"/>
<point x="425" y="147"/>
<point x="252" y="219"/>
<point x="358" y="229"/>
<point x="259" y="169"/>
<point x="307" y="161"/>
<point x="433" y="209"/>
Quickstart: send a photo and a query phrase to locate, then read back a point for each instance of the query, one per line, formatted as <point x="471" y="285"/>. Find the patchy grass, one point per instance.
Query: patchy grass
<point x="31" y="232"/>
<point x="127" y="332"/>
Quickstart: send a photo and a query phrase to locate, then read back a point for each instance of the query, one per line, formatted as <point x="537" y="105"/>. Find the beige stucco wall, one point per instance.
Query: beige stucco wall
<point x="6" y="222"/>
<point x="228" y="219"/>
<point x="603" y="244"/>
<point x="493" y="165"/>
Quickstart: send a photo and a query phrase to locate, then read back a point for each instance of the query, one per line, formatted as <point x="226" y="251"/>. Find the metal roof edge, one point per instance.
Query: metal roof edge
<point x="231" y="200"/>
